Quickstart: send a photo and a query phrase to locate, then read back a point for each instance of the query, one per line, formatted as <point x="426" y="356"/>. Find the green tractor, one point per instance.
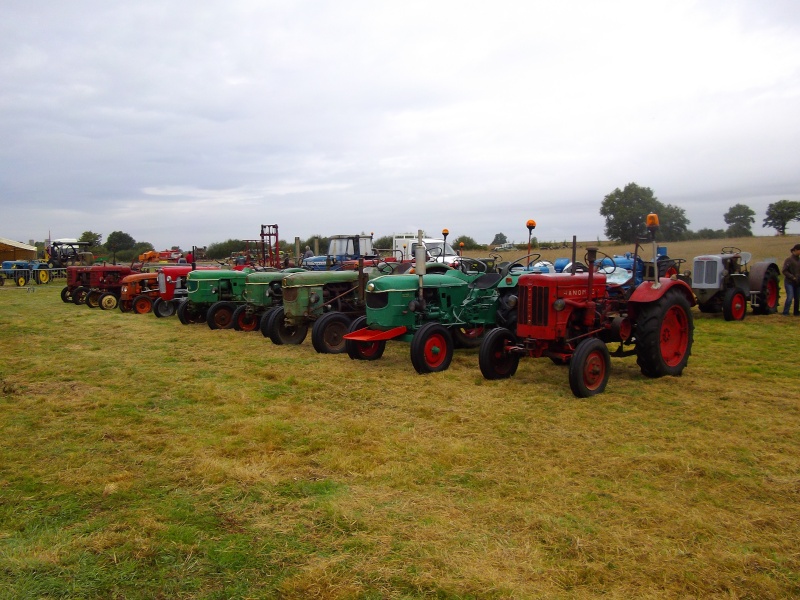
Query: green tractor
<point x="262" y="293"/>
<point x="326" y="301"/>
<point x="212" y="296"/>
<point x="436" y="312"/>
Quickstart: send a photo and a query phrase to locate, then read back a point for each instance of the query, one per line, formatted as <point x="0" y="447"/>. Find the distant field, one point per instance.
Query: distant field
<point x="140" y="458"/>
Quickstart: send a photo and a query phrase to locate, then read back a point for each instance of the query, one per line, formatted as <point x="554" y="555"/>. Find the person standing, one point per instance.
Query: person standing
<point x="308" y="253"/>
<point x="791" y="281"/>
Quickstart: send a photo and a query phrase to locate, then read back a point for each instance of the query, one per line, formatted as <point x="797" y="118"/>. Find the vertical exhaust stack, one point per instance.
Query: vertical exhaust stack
<point x="652" y="227"/>
<point x="419" y="258"/>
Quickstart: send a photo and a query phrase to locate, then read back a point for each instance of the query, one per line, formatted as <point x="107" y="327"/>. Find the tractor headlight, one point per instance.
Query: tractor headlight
<point x="313" y="298"/>
<point x="511" y="301"/>
<point x="370" y="287"/>
<point x="559" y="304"/>
<point x="412" y="305"/>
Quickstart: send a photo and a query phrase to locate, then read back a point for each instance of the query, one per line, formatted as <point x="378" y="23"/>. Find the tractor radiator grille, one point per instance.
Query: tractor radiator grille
<point x="289" y="294"/>
<point x="533" y="305"/>
<point x="377" y="299"/>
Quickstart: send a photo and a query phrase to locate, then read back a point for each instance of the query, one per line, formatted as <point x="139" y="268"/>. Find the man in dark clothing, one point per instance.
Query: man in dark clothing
<point x="791" y="280"/>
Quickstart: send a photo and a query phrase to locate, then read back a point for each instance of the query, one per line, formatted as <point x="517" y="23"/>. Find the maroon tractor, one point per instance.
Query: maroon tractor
<point x="571" y="317"/>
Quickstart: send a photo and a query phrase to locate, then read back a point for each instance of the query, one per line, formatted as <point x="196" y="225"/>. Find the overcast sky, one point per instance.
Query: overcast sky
<point x="190" y="122"/>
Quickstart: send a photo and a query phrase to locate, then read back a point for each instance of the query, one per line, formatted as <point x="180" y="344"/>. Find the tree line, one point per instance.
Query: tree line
<point x="625" y="211"/>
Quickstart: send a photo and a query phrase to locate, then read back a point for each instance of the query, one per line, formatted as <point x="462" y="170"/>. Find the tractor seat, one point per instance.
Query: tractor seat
<point x="485" y="281"/>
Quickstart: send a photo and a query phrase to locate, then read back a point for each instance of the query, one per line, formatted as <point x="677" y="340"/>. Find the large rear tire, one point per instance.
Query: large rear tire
<point x="42" y="276"/>
<point x="327" y="333"/>
<point x="467" y="337"/>
<point x="589" y="368"/>
<point x="664" y="335"/>
<point x="281" y="333"/>
<point x="431" y="348"/>
<point x="769" y="297"/>
<point x="734" y="305"/>
<point x="220" y="315"/>
<point x="494" y="361"/>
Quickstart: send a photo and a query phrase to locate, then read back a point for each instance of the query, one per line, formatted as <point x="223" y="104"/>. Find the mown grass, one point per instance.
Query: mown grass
<point x="140" y="458"/>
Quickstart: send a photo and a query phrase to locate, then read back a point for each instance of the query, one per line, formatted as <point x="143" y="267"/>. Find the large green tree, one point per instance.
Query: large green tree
<point x="94" y="239"/>
<point x="781" y="213"/>
<point x="499" y="239"/>
<point x="626" y="213"/>
<point x="119" y="240"/>
<point x="739" y="219"/>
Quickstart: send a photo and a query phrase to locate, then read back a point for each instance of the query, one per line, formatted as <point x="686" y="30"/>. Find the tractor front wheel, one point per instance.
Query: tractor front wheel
<point x="107" y="301"/>
<point x="244" y="319"/>
<point x="734" y="305"/>
<point x="589" y="368"/>
<point x="142" y="305"/>
<point x="664" y="335"/>
<point x="327" y="334"/>
<point x="495" y="362"/>
<point x="163" y="308"/>
<point x="363" y="350"/>
<point x="281" y="333"/>
<point x="220" y="315"/>
<point x="126" y="306"/>
<point x="431" y="348"/>
<point x="79" y="295"/>
<point x="66" y="296"/>
<point x="188" y="313"/>
<point x="93" y="298"/>
<point x="263" y="322"/>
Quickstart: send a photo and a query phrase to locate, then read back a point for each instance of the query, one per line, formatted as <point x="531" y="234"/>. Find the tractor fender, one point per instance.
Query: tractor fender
<point x="759" y="270"/>
<point x="648" y="292"/>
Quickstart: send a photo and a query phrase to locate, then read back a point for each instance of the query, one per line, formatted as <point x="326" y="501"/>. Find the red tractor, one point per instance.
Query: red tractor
<point x="571" y="317"/>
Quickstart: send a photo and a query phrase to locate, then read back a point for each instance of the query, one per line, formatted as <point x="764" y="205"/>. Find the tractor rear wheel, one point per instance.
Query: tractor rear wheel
<point x="431" y="348"/>
<point x="494" y="361"/>
<point x="220" y="315"/>
<point x="79" y="295"/>
<point x="363" y="350"/>
<point x="244" y="319"/>
<point x="66" y="296"/>
<point x="734" y="305"/>
<point x="589" y="368"/>
<point x="664" y="335"/>
<point x="93" y="298"/>
<point x="467" y="337"/>
<point x="327" y="333"/>
<point x="189" y="314"/>
<point x="769" y="296"/>
<point x="142" y="304"/>
<point x="163" y="308"/>
<point x="107" y="301"/>
<point x="281" y="333"/>
<point x="42" y="276"/>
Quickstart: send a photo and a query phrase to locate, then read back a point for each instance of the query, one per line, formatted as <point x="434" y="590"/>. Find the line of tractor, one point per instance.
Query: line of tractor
<point x="354" y="301"/>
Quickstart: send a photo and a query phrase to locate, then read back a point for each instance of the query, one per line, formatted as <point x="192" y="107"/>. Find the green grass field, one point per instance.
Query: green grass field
<point x="141" y="458"/>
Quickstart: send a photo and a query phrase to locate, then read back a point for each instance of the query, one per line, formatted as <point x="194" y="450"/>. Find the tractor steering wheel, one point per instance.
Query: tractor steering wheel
<point x="731" y="250"/>
<point x="384" y="268"/>
<point x="517" y="263"/>
<point x="464" y="268"/>
<point x="597" y="267"/>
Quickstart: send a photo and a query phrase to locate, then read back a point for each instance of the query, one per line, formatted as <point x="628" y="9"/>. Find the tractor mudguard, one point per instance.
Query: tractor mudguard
<point x="375" y="335"/>
<point x="758" y="271"/>
<point x="647" y="293"/>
